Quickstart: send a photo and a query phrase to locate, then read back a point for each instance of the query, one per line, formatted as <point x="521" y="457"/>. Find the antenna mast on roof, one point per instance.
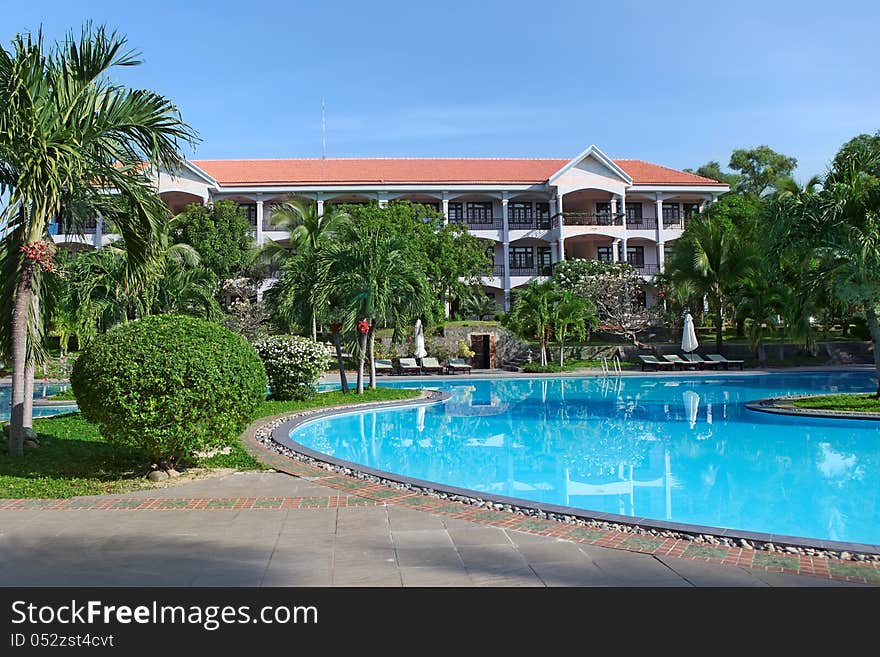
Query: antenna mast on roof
<point x="323" y="132"/>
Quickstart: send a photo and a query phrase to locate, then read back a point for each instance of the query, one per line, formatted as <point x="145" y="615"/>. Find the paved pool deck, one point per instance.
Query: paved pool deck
<point x="275" y="529"/>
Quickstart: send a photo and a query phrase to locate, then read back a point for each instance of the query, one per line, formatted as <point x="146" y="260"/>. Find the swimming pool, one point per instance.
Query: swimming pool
<point x="677" y="448"/>
<point x="41" y="391"/>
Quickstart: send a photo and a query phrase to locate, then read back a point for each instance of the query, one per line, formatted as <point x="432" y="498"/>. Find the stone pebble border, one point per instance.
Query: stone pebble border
<point x="828" y="564"/>
<point x="784" y="406"/>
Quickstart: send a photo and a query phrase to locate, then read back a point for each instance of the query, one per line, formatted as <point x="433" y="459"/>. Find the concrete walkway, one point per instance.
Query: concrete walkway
<point x="314" y="544"/>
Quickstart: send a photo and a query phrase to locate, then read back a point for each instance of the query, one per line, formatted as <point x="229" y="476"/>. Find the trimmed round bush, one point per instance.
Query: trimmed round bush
<point x="169" y="384"/>
<point x="294" y="364"/>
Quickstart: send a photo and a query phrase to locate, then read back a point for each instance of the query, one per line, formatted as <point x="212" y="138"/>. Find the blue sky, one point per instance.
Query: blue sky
<point x="678" y="83"/>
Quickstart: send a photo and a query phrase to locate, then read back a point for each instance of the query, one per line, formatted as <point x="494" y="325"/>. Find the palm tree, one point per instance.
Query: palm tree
<point x="840" y="227"/>
<point x="531" y="314"/>
<point x="68" y="134"/>
<point x="761" y="300"/>
<point x="480" y="305"/>
<point x="711" y="259"/>
<point x="373" y="276"/>
<point x="308" y="231"/>
<point x="571" y="316"/>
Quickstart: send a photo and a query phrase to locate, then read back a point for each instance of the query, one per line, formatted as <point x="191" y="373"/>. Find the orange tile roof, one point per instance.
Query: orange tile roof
<point x="366" y="171"/>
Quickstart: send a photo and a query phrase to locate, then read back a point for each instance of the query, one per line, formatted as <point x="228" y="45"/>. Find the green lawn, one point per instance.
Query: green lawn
<point x="863" y="403"/>
<point x="571" y="365"/>
<point x="73" y="459"/>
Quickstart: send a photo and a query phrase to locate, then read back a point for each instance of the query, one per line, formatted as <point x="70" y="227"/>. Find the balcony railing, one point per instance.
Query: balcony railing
<point x="647" y="223"/>
<point x="529" y="224"/>
<point x="479" y="223"/>
<point x="589" y="219"/>
<point x="531" y="270"/>
<point x="646" y="269"/>
<point x="676" y="222"/>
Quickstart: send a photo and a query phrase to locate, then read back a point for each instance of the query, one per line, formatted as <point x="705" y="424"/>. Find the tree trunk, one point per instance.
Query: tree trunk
<point x="20" y="310"/>
<point x="337" y="342"/>
<point x="874" y="328"/>
<point x="362" y="352"/>
<point x="781" y="344"/>
<point x="314" y="325"/>
<point x="561" y="352"/>
<point x="28" y="416"/>
<point x="371" y="350"/>
<point x="719" y="325"/>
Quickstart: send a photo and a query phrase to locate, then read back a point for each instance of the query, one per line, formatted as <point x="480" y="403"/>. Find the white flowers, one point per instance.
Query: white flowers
<point x="293" y="363"/>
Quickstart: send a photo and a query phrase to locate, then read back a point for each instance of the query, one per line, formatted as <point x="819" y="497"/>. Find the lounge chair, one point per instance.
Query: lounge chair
<point x="384" y="366"/>
<point x="431" y="364"/>
<point x="725" y="362"/>
<point x="408" y="366"/>
<point x="458" y="365"/>
<point x="654" y="363"/>
<point x="680" y="362"/>
<point x="701" y="362"/>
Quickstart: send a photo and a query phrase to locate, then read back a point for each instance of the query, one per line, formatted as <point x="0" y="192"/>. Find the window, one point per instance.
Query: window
<point x="522" y="257"/>
<point x="519" y="213"/>
<point x="456" y="212"/>
<point x="542" y="213"/>
<point x="479" y="212"/>
<point x="667" y="250"/>
<point x="671" y="213"/>
<point x="545" y="261"/>
<point x="250" y="211"/>
<point x="635" y="255"/>
<point x="633" y="213"/>
<point x="691" y="210"/>
<point x="604" y="254"/>
<point x="603" y="208"/>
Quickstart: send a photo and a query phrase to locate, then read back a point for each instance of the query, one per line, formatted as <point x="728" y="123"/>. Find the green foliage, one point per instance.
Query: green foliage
<point x="713" y="171"/>
<point x="451" y="257"/>
<point x="221" y="234"/>
<point x="170" y="385"/>
<point x="537" y="368"/>
<point x="857" y="403"/>
<point x="760" y="168"/>
<point x="479" y="304"/>
<point x="293" y="364"/>
<point x="464" y="350"/>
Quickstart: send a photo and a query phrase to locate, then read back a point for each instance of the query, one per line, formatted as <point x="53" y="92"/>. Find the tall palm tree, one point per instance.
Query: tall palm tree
<point x="68" y="134"/>
<point x="712" y="259"/>
<point x="531" y="314"/>
<point x="373" y="275"/>
<point x="840" y="226"/>
<point x="308" y="231"/>
<point x="571" y="316"/>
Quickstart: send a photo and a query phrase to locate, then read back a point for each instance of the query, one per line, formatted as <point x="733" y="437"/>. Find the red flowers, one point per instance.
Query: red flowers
<point x="363" y="326"/>
<point x="40" y="254"/>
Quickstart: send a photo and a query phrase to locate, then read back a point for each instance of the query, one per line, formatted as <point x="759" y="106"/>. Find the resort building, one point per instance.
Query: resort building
<point x="531" y="212"/>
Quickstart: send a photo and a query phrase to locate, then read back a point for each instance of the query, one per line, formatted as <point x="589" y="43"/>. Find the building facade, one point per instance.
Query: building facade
<point x="532" y="213"/>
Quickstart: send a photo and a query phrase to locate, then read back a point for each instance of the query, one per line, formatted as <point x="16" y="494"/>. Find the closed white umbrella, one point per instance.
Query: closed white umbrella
<point x="421" y="352"/>
<point x="691" y="406"/>
<point x="689" y="336"/>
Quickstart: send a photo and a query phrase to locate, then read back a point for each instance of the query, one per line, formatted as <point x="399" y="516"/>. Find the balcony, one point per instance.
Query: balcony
<point x="479" y="223"/>
<point x="647" y="223"/>
<point x="646" y="270"/>
<point x="589" y="219"/>
<point x="535" y="223"/>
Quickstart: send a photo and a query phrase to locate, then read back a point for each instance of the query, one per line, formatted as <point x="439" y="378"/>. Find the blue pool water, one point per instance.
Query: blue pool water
<point x="683" y="449"/>
<point x="41" y="390"/>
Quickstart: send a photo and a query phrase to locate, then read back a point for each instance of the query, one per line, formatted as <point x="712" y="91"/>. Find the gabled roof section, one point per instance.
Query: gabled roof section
<point x="594" y="152"/>
<point x="200" y="172"/>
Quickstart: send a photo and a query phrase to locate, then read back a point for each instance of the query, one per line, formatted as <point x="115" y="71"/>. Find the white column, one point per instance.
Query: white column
<point x="319" y="199"/>
<point x="505" y="243"/>
<point x="615" y="250"/>
<point x="559" y="226"/>
<point x="623" y="212"/>
<point x="445" y="207"/>
<point x="383" y="199"/>
<point x="259" y="220"/>
<point x="99" y="231"/>
<point x="660" y="236"/>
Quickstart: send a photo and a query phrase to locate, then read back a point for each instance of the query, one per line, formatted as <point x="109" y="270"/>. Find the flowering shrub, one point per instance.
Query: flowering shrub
<point x="294" y="364"/>
<point x="363" y="326"/>
<point x="170" y="385"/>
<point x="464" y="350"/>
